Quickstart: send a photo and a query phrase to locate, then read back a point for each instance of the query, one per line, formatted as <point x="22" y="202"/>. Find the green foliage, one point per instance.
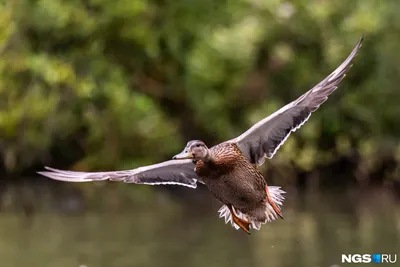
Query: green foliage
<point x="128" y="82"/>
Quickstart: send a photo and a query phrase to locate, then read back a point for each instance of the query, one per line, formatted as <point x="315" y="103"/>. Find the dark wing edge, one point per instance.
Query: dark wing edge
<point x="264" y="138"/>
<point x="172" y="172"/>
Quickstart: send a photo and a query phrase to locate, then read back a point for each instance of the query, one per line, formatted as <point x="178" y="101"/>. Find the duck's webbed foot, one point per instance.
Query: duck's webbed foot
<point x="272" y="203"/>
<point x="243" y="224"/>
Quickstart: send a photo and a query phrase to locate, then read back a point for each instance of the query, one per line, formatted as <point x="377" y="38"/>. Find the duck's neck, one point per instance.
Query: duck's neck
<point x="208" y="158"/>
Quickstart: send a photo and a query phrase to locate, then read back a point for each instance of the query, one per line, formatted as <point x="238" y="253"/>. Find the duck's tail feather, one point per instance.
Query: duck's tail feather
<point x="275" y="193"/>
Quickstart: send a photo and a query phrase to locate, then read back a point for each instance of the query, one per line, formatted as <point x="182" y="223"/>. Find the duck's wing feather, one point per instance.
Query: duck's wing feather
<point x="265" y="137"/>
<point x="172" y="172"/>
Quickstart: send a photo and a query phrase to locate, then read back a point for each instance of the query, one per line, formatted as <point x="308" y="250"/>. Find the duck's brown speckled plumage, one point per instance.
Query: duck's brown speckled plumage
<point x="233" y="180"/>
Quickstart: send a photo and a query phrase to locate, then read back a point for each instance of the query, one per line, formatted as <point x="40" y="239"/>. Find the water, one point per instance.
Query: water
<point x="160" y="229"/>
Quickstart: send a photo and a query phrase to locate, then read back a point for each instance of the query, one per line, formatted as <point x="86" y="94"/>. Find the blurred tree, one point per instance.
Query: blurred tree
<point x="105" y="84"/>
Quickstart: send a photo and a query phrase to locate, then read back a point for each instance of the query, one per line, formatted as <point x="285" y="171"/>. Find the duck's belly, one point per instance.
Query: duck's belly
<point x="244" y="193"/>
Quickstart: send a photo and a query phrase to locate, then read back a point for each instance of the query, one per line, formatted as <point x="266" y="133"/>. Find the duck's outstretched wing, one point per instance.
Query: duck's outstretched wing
<point x="172" y="172"/>
<point x="265" y="137"/>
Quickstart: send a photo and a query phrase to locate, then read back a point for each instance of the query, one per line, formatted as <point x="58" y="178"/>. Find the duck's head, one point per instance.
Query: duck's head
<point x="195" y="150"/>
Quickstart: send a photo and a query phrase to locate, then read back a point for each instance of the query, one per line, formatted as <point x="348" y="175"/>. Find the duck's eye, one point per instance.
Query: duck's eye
<point x="198" y="145"/>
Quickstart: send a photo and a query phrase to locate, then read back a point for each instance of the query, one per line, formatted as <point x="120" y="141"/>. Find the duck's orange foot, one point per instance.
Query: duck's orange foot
<point x="272" y="203"/>
<point x="243" y="224"/>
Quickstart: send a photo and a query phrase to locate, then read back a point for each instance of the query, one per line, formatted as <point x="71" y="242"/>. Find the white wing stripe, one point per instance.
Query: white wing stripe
<point x="194" y="185"/>
<point x="287" y="136"/>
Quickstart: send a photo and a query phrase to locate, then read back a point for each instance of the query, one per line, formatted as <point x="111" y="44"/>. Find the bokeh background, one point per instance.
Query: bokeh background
<point x="102" y="85"/>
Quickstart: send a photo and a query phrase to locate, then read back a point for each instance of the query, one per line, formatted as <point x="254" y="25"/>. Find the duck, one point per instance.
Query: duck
<point x="230" y="170"/>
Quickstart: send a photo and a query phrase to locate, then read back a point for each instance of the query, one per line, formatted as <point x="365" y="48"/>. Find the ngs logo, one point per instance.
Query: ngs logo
<point x="368" y="258"/>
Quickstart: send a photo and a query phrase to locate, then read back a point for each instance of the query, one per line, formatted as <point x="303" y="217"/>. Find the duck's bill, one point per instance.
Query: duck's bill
<point x="184" y="155"/>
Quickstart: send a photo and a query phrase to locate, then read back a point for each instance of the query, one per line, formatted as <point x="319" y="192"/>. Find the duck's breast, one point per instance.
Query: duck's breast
<point x="231" y="178"/>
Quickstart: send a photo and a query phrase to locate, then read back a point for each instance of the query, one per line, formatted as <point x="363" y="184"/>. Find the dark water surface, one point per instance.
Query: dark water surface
<point x="163" y="230"/>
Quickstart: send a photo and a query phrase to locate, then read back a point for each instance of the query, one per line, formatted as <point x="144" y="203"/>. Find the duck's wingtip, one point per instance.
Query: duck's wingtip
<point x="360" y="42"/>
<point x="50" y="168"/>
<point x="46" y="174"/>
